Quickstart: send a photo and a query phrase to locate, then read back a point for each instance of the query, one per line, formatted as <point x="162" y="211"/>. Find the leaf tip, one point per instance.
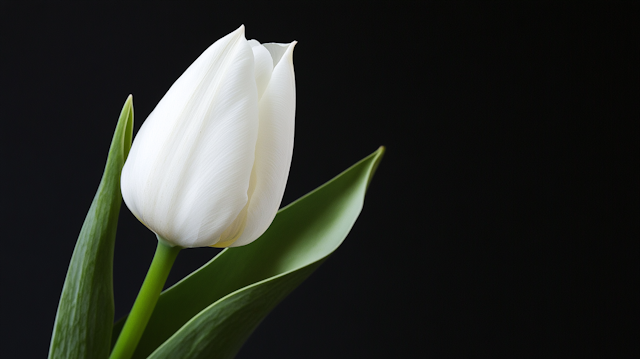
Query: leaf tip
<point x="378" y="154"/>
<point x="126" y="121"/>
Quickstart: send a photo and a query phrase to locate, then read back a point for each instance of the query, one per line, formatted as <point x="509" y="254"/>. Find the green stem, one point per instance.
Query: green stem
<point x="146" y="301"/>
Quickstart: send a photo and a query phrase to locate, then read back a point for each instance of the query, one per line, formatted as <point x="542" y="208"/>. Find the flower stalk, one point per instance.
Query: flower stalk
<point x="146" y="301"/>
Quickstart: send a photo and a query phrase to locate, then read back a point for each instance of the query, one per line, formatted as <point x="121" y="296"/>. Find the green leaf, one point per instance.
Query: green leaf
<point x="212" y="312"/>
<point x="84" y="320"/>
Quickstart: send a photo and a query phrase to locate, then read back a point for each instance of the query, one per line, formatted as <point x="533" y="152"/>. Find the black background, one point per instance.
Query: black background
<point x="503" y="220"/>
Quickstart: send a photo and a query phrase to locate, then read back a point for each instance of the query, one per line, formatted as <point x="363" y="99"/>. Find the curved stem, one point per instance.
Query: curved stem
<point x="146" y="301"/>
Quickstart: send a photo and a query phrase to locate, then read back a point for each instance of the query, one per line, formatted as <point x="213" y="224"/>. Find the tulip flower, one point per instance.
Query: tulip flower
<point x="210" y="164"/>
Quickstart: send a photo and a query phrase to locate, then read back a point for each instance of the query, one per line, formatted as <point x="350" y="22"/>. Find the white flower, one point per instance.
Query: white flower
<point x="210" y="164"/>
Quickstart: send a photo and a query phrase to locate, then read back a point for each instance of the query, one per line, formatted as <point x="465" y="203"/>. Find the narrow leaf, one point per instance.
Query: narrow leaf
<point x="212" y="312"/>
<point x="84" y="320"/>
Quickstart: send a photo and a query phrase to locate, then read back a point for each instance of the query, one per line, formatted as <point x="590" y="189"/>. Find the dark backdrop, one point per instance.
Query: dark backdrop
<point x="502" y="222"/>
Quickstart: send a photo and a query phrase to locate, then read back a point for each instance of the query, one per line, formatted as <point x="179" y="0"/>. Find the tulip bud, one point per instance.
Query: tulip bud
<point x="209" y="165"/>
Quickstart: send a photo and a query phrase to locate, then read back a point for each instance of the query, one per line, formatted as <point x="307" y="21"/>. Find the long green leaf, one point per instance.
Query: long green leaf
<point x="212" y="312"/>
<point x="84" y="320"/>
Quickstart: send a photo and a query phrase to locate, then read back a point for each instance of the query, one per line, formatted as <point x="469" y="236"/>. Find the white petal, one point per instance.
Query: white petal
<point x="277" y="50"/>
<point x="188" y="171"/>
<point x="263" y="69"/>
<point x="274" y="148"/>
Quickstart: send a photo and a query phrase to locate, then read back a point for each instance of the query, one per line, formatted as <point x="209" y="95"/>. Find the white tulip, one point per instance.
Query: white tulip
<point x="210" y="164"/>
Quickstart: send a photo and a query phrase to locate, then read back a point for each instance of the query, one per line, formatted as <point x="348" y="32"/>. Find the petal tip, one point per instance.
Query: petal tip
<point x="289" y="52"/>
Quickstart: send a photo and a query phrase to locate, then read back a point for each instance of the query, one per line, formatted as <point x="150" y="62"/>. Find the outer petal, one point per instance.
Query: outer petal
<point x="274" y="148"/>
<point x="188" y="171"/>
